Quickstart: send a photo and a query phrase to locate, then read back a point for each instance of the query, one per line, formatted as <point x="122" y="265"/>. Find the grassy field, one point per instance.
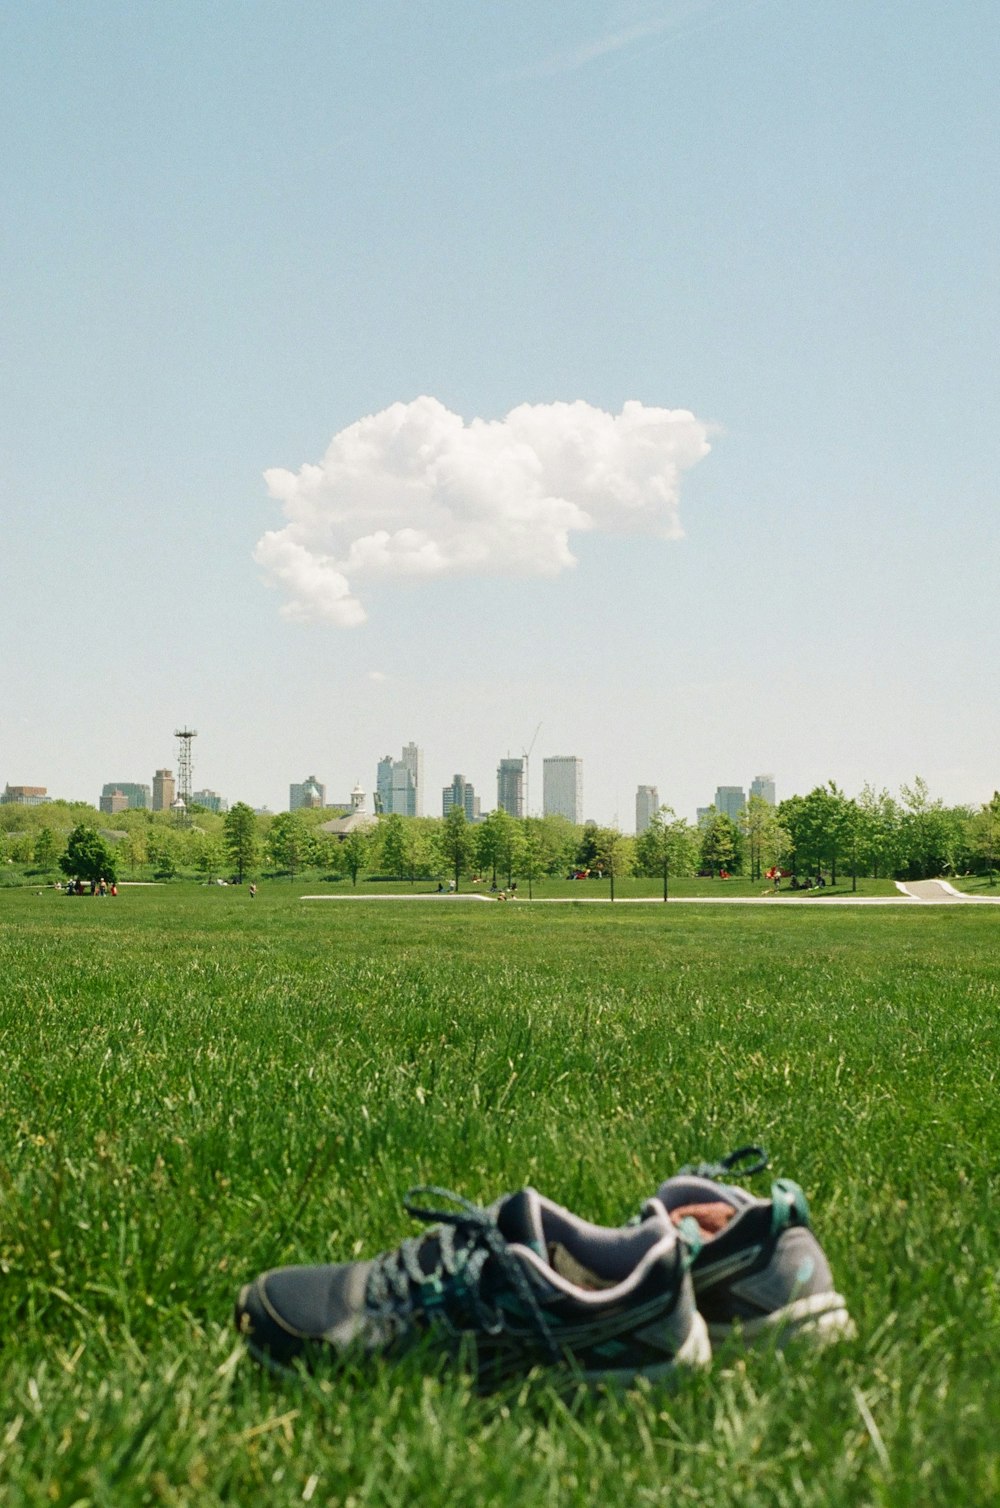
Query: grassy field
<point x="196" y="1086"/>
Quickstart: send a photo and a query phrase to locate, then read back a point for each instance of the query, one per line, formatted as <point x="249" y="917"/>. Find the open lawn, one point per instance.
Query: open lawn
<point x="196" y="1085"/>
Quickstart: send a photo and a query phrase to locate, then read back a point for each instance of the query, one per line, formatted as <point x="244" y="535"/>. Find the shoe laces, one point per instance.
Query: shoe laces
<point x="743" y="1163"/>
<point x="450" y="1290"/>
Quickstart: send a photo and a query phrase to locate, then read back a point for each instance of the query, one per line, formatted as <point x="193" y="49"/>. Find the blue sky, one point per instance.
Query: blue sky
<point x="233" y="231"/>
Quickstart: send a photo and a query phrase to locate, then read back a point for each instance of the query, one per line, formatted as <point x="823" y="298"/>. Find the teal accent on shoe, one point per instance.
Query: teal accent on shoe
<point x="789" y="1205"/>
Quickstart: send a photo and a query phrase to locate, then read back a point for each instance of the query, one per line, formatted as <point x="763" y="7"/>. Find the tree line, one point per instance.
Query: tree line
<point x="826" y="832"/>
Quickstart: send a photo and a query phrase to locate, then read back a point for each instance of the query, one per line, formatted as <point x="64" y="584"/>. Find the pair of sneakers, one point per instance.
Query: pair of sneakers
<point x="525" y="1282"/>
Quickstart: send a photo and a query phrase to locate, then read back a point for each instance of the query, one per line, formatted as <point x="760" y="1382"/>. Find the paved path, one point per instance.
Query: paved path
<point x="912" y="893"/>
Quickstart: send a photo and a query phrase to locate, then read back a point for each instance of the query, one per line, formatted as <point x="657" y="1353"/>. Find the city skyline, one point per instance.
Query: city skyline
<point x="678" y="440"/>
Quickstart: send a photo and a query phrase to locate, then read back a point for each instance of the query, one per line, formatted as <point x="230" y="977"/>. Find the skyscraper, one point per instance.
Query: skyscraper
<point x="164" y="790"/>
<point x="730" y="799"/>
<point x="460" y="793"/>
<point x="647" y="804"/>
<point x="562" y="787"/>
<point x="510" y="786"/>
<point x="413" y="758"/>
<point x="395" y="787"/>
<point x="763" y="785"/>
<point x="138" y="795"/>
<point x="309" y="794"/>
<point x="210" y="800"/>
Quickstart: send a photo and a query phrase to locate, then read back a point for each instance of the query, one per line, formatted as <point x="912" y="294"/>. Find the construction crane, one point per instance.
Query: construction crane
<point x="526" y="756"/>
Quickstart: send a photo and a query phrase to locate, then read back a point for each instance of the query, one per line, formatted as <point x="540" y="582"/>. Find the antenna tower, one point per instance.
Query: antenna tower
<point x="184" y="737"/>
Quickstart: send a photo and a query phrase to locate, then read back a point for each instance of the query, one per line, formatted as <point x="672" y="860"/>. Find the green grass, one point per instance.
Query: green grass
<point x="196" y="1086"/>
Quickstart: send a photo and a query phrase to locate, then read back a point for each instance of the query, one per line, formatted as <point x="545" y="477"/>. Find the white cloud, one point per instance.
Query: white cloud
<point x="415" y="491"/>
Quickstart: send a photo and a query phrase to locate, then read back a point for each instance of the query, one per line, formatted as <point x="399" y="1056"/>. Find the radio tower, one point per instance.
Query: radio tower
<point x="184" y="737"/>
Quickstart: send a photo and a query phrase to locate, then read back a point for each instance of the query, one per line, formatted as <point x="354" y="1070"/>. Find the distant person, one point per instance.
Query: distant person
<point x="114" y="888"/>
<point x="253" y="891"/>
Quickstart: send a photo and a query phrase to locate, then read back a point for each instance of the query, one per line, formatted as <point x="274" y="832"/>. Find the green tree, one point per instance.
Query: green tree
<point x="208" y="855"/>
<point x="354" y="852"/>
<point x="455" y="842"/>
<point x="240" y="838"/>
<point x="767" y="842"/>
<point x="721" y="843"/>
<point x="877" y="832"/>
<point x="533" y="851"/>
<point x="614" y="854"/>
<point x="932" y="836"/>
<point x="668" y="846"/>
<point x="392" y="845"/>
<point x="87" y="856"/>
<point x="47" y="849"/>
<point x="289" y="843"/>
<point x="586" y="853"/>
<point x="491" y="841"/>
<point x="984" y="834"/>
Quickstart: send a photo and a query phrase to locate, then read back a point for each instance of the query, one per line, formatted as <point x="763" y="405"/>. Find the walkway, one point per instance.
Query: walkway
<point x="912" y="893"/>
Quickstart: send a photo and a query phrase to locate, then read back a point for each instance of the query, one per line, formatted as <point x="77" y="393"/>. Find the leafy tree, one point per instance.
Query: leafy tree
<point x="586" y="853"/>
<point x="418" y="848"/>
<point x="240" y="829"/>
<point x="492" y="841"/>
<point x="455" y="842"/>
<point x="877" y="832"/>
<point x="164" y="854"/>
<point x="767" y="842"/>
<point x="392" y="834"/>
<point x="47" y="849"/>
<point x="133" y="849"/>
<point x="932" y="836"/>
<point x="984" y="833"/>
<point x="354" y="851"/>
<point x="533" y="850"/>
<point x="209" y="855"/>
<point x="289" y="843"/>
<point x="721" y="843"/>
<point x="87" y="856"/>
<point x="668" y="845"/>
<point x="614" y="854"/>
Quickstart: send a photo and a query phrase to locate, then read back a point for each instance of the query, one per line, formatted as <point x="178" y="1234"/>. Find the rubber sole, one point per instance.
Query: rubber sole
<point x="820" y="1319"/>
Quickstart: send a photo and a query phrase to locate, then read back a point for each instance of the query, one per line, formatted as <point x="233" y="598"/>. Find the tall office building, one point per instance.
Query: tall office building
<point x="164" y="790"/>
<point x="138" y="795"/>
<point x="510" y="786"/>
<point x="647" y="804"/>
<point x="413" y="758"/>
<point x="395" y="788"/>
<point x="210" y="800"/>
<point x="731" y="800"/>
<point x="310" y="794"/>
<point x="562" y="787"/>
<point x="763" y="785"/>
<point x="460" y="793"/>
<point x="113" y="801"/>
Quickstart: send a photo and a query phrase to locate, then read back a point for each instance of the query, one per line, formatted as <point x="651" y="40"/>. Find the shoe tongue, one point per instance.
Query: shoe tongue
<point x="519" y="1219"/>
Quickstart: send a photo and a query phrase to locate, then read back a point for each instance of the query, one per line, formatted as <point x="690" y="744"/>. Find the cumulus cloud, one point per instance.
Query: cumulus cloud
<point x="417" y="492"/>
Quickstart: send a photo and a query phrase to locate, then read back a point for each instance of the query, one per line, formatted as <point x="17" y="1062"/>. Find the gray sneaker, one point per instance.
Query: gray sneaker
<point x="760" y="1275"/>
<point x="520" y="1283"/>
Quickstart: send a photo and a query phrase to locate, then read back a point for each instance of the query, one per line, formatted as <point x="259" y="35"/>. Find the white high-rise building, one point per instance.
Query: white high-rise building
<point x="763" y="785"/>
<point x="562" y="787"/>
<point x="647" y="804"/>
